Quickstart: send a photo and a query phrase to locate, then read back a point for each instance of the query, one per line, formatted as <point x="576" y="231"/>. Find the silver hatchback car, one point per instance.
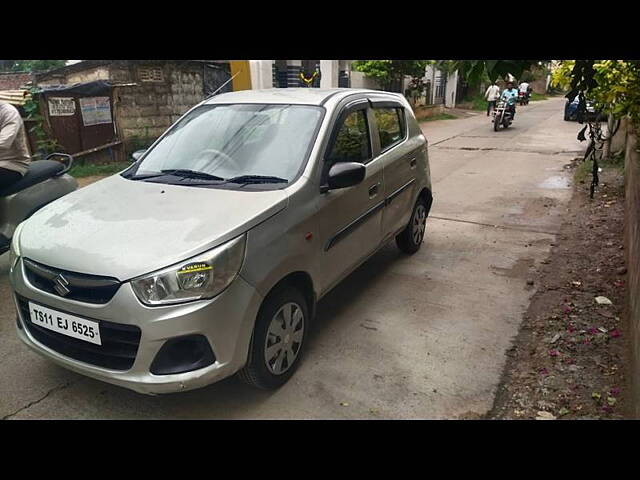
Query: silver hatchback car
<point x="207" y="256"/>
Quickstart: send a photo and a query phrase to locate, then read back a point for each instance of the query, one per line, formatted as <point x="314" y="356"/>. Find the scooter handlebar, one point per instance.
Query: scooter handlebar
<point x="69" y="161"/>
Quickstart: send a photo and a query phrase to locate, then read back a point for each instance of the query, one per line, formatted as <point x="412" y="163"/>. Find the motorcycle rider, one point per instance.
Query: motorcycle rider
<point x="14" y="153"/>
<point x="510" y="96"/>
<point x="524" y="88"/>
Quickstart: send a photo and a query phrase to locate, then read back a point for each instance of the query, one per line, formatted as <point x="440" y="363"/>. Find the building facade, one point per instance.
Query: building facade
<point x="148" y="96"/>
<point x="300" y="73"/>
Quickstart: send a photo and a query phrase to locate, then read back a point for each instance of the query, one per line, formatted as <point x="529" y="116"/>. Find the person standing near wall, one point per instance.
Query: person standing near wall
<point x="491" y="95"/>
<point x="14" y="153"/>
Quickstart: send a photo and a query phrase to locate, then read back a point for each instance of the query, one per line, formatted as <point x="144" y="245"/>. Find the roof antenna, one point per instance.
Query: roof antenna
<point x="223" y="85"/>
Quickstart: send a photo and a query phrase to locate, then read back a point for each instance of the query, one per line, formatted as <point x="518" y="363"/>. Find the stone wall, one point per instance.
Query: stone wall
<point x="144" y="111"/>
<point x="632" y="254"/>
<point x="360" y="80"/>
<point x="539" y="85"/>
<point x="426" y="111"/>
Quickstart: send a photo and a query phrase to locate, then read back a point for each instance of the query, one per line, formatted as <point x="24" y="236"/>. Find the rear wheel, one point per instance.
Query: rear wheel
<point x="278" y="339"/>
<point x="410" y="239"/>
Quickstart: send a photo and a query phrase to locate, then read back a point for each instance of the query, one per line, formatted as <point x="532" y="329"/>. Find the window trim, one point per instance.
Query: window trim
<point x="344" y="113"/>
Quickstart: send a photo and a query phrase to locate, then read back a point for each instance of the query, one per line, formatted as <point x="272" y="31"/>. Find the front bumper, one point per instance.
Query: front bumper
<point x="226" y="321"/>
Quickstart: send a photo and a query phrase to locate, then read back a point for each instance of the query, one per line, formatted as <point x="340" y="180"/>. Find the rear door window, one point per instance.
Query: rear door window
<point x="391" y="126"/>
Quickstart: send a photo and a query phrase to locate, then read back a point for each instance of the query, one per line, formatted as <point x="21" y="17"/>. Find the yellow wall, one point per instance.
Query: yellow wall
<point x="243" y="80"/>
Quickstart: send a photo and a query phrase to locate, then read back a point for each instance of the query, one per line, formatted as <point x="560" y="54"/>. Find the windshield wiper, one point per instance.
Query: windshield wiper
<point x="178" y="172"/>
<point x="181" y="172"/>
<point x="244" y="179"/>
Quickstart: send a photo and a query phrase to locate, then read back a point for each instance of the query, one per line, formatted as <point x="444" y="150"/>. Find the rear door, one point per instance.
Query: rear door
<point x="399" y="158"/>
<point x="350" y="219"/>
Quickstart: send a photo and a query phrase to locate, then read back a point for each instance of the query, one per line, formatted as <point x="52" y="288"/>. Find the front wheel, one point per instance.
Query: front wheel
<point x="496" y="122"/>
<point x="410" y="239"/>
<point x="278" y="339"/>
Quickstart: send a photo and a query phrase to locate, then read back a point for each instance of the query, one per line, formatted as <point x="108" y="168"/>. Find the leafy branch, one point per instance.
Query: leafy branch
<point x="44" y="143"/>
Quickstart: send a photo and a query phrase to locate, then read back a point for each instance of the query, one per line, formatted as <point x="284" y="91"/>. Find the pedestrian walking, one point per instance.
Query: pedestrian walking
<point x="14" y="154"/>
<point x="491" y="95"/>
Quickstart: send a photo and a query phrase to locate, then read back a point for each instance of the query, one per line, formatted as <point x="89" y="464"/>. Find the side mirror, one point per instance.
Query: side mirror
<point x="343" y="175"/>
<point x="137" y="154"/>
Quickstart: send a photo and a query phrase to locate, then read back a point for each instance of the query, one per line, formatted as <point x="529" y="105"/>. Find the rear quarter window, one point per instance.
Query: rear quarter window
<point x="391" y="126"/>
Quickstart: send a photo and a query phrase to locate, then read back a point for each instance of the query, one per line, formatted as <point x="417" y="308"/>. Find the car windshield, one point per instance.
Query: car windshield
<point x="243" y="143"/>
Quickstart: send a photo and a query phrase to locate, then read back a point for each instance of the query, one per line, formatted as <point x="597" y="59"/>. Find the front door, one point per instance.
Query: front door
<point x="350" y="219"/>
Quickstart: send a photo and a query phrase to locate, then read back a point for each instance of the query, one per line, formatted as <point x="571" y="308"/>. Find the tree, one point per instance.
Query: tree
<point x="389" y="72"/>
<point x="30" y="65"/>
<point x="5" y="65"/>
<point x="613" y="85"/>
<point x="474" y="70"/>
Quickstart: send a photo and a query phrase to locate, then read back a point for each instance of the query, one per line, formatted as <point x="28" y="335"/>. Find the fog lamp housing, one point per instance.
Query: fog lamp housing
<point x="183" y="354"/>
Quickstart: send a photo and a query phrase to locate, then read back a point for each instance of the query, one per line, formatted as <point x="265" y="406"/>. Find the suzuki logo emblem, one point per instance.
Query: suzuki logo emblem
<point x="60" y="285"/>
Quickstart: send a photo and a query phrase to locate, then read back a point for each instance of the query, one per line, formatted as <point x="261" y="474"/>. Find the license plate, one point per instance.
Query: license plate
<point x="66" y="324"/>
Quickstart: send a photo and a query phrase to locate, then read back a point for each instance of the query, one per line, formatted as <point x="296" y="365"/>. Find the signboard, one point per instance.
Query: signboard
<point x="95" y="110"/>
<point x="61" y="106"/>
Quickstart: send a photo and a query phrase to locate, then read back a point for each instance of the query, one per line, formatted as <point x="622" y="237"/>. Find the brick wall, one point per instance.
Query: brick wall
<point x="632" y="254"/>
<point x="13" y="81"/>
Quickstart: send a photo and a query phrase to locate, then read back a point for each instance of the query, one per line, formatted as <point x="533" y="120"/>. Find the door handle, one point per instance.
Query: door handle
<point x="373" y="190"/>
<point x="413" y="162"/>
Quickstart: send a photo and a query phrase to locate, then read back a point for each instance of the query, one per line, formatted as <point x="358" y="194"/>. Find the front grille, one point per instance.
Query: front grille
<point x="119" y="342"/>
<point x="75" y="286"/>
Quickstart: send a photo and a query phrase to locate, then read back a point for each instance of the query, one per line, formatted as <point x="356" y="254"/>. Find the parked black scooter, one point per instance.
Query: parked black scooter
<point x="46" y="181"/>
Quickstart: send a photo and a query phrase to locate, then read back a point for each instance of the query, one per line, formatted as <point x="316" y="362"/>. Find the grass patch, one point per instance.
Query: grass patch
<point x="473" y="103"/>
<point x="80" y="170"/>
<point x="583" y="170"/>
<point x="440" y="116"/>
<point x="479" y="103"/>
<point x="537" y="96"/>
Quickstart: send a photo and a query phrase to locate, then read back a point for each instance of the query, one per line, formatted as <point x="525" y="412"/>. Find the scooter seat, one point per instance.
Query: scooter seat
<point x="39" y="171"/>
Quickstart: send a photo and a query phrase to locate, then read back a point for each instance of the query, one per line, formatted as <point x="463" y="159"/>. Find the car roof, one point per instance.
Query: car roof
<point x="299" y="96"/>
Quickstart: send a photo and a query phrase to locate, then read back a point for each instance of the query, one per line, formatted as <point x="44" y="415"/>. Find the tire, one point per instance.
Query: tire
<point x="281" y="305"/>
<point x="410" y="239"/>
<point x="566" y="117"/>
<point x="496" y="122"/>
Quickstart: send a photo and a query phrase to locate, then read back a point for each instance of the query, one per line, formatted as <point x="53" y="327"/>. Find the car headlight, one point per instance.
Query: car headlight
<point x="14" y="249"/>
<point x="197" y="278"/>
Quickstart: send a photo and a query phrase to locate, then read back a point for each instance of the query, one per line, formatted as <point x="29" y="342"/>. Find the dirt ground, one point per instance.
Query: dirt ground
<point x="84" y="181"/>
<point x="569" y="358"/>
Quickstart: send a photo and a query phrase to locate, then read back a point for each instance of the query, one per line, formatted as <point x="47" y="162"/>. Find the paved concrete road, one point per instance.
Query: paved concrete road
<point x="403" y="337"/>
